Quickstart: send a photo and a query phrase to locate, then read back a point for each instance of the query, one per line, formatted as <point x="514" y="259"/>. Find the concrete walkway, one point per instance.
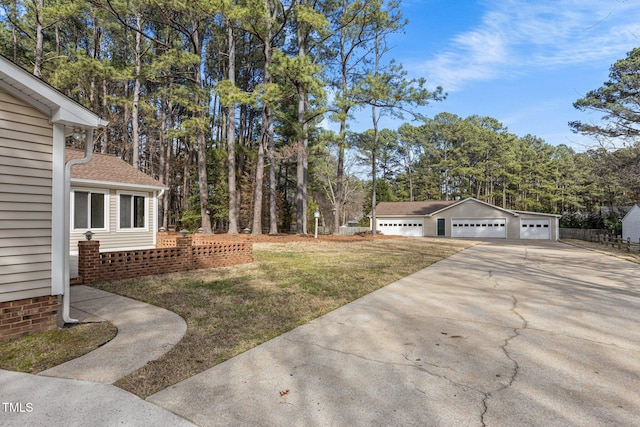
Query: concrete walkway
<point x="38" y="401"/>
<point x="145" y="332"/>
<point x="502" y="334"/>
<point x="82" y="395"/>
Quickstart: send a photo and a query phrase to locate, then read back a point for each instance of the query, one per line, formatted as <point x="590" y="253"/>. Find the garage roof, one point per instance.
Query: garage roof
<point x="411" y="208"/>
<point x="428" y="208"/>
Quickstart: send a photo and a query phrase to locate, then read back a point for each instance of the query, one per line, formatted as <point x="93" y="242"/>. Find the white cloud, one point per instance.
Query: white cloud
<point x="517" y="36"/>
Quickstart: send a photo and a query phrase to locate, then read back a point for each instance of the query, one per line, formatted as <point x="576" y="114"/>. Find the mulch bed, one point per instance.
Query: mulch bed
<point x="286" y="238"/>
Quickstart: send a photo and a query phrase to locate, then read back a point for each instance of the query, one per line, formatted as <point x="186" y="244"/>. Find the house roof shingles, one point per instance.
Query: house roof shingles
<point x="108" y="168"/>
<point x="411" y="208"/>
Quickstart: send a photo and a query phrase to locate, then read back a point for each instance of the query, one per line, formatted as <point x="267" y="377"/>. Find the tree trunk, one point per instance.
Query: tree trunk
<point x="231" y="136"/>
<point x="410" y="173"/>
<point x="266" y="137"/>
<point x="164" y="160"/>
<point x="57" y="34"/>
<point x="446" y="175"/>
<point x="203" y="185"/>
<point x="122" y="146"/>
<point x="39" y="47"/>
<point x="185" y="177"/>
<point x="257" y="207"/>
<point x="338" y="204"/>
<point x="201" y="140"/>
<point x="135" y="135"/>
<point x="303" y="142"/>
<point x="14" y="37"/>
<point x="341" y="142"/>
<point x="374" y="171"/>
<point x="273" y="219"/>
<point x="376" y="136"/>
<point x="302" y="165"/>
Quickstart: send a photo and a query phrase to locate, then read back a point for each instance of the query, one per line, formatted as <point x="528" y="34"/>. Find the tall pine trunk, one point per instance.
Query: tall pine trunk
<point x="231" y="136"/>
<point x="266" y="135"/>
<point x="201" y="140"/>
<point x="303" y="143"/>
<point x="273" y="219"/>
<point x="135" y="135"/>
<point x="39" y="47"/>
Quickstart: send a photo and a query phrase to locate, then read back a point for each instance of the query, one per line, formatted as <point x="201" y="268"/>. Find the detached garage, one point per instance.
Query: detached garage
<point x="468" y="218"/>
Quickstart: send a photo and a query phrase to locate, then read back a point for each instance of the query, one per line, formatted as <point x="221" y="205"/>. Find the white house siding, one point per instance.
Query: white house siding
<point x="26" y="164"/>
<point x="631" y="225"/>
<point x="112" y="239"/>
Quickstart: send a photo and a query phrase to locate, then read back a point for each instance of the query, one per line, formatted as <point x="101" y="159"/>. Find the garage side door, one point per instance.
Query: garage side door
<point x="535" y="229"/>
<point x="401" y="227"/>
<point x="481" y="228"/>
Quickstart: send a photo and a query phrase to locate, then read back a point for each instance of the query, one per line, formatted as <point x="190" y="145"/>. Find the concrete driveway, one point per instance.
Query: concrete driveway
<point x="502" y="334"/>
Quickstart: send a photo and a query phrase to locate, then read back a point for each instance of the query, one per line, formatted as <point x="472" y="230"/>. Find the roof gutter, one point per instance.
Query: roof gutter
<point x="66" y="297"/>
<point x="113" y="184"/>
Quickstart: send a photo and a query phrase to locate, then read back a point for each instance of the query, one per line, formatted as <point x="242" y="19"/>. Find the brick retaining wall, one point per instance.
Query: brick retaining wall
<point x="28" y="315"/>
<point x="222" y="254"/>
<point x="167" y="239"/>
<point x="94" y="266"/>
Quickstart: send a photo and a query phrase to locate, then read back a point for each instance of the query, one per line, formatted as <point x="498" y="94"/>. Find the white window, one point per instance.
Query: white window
<point x="132" y="211"/>
<point x="89" y="210"/>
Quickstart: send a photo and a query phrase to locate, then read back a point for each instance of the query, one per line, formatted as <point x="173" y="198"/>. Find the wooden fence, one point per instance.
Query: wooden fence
<point x="619" y="242"/>
<point x="589" y="235"/>
<point x="350" y="231"/>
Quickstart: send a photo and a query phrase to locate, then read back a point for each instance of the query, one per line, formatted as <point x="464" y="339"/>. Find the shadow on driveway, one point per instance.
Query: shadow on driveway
<point x="503" y="333"/>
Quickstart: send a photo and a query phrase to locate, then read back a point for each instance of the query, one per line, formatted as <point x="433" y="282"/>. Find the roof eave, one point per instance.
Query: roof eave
<point x="45" y="98"/>
<point x="117" y="185"/>
<point x="398" y="215"/>
<point x="537" y="213"/>
<point x="75" y="117"/>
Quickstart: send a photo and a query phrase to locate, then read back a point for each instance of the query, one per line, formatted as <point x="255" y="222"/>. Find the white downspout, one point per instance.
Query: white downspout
<point x="156" y="220"/>
<point x="66" y="298"/>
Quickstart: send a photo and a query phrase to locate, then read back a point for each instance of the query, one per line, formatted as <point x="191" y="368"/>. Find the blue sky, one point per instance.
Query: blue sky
<point x="523" y="62"/>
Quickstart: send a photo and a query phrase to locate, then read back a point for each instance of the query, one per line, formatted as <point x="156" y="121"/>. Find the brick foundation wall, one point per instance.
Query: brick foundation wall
<point x="28" y="315"/>
<point x="94" y="266"/>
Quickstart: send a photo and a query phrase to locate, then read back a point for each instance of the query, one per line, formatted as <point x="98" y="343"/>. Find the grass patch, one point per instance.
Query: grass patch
<point x="632" y="256"/>
<point x="230" y="310"/>
<point x="33" y="353"/>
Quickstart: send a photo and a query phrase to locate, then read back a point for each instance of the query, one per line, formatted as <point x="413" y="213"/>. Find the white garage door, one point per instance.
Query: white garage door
<point x="401" y="227"/>
<point x="479" y="228"/>
<point x="535" y="229"/>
